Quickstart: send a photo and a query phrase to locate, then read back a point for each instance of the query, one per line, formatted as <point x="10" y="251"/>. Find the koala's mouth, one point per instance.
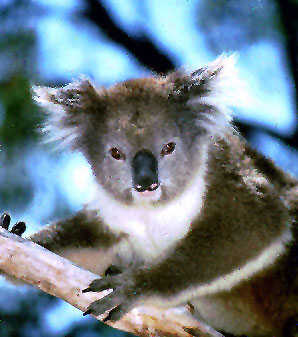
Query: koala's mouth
<point x="147" y="195"/>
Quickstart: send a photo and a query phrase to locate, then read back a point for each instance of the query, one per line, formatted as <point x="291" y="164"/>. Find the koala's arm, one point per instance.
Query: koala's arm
<point x="82" y="239"/>
<point x="244" y="227"/>
<point x="239" y="236"/>
<point x="207" y="261"/>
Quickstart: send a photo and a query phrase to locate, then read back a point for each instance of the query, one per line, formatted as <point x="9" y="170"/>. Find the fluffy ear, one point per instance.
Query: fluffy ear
<point x="69" y="109"/>
<point x="211" y="91"/>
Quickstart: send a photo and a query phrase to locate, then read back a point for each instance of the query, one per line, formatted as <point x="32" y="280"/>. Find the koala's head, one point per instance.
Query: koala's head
<point x="146" y="139"/>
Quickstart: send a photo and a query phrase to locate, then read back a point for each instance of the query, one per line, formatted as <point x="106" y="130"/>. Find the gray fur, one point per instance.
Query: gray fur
<point x="219" y="225"/>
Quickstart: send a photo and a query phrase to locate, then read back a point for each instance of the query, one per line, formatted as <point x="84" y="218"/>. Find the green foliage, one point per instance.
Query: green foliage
<point x="20" y="115"/>
<point x="18" y="55"/>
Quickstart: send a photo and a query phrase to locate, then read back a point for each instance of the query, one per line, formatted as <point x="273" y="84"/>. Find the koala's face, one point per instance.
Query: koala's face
<point x="145" y="139"/>
<point x="145" y="151"/>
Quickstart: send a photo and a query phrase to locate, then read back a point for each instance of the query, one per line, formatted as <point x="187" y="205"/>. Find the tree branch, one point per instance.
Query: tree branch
<point x="141" y="47"/>
<point x="57" y="276"/>
<point x="288" y="10"/>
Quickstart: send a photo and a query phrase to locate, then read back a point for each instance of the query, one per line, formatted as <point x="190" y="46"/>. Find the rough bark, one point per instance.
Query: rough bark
<point x="57" y="276"/>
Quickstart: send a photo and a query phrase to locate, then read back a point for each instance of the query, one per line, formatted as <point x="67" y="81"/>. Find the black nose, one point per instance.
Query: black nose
<point x="144" y="171"/>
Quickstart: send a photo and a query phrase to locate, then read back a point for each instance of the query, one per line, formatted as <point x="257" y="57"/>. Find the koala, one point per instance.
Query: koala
<point x="185" y="211"/>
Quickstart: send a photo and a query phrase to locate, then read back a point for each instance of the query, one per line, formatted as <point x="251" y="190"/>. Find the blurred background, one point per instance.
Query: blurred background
<point x="51" y="42"/>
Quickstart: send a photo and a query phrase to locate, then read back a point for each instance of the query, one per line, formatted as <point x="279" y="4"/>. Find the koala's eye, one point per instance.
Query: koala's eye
<point x="168" y="149"/>
<point x="117" y="154"/>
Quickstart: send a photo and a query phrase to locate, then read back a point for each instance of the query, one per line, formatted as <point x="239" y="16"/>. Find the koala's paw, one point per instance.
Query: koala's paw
<point x="113" y="270"/>
<point x="119" y="302"/>
<point x="18" y="228"/>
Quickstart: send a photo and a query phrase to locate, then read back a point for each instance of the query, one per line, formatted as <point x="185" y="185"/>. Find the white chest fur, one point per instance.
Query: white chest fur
<point x="152" y="229"/>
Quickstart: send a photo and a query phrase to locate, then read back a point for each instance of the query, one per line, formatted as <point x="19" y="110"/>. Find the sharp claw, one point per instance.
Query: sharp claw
<point x="19" y="228"/>
<point x="113" y="270"/>
<point x="99" y="285"/>
<point x="86" y="290"/>
<point x="5" y="220"/>
<point x="114" y="315"/>
<point x="87" y="312"/>
<point x="108" y="318"/>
